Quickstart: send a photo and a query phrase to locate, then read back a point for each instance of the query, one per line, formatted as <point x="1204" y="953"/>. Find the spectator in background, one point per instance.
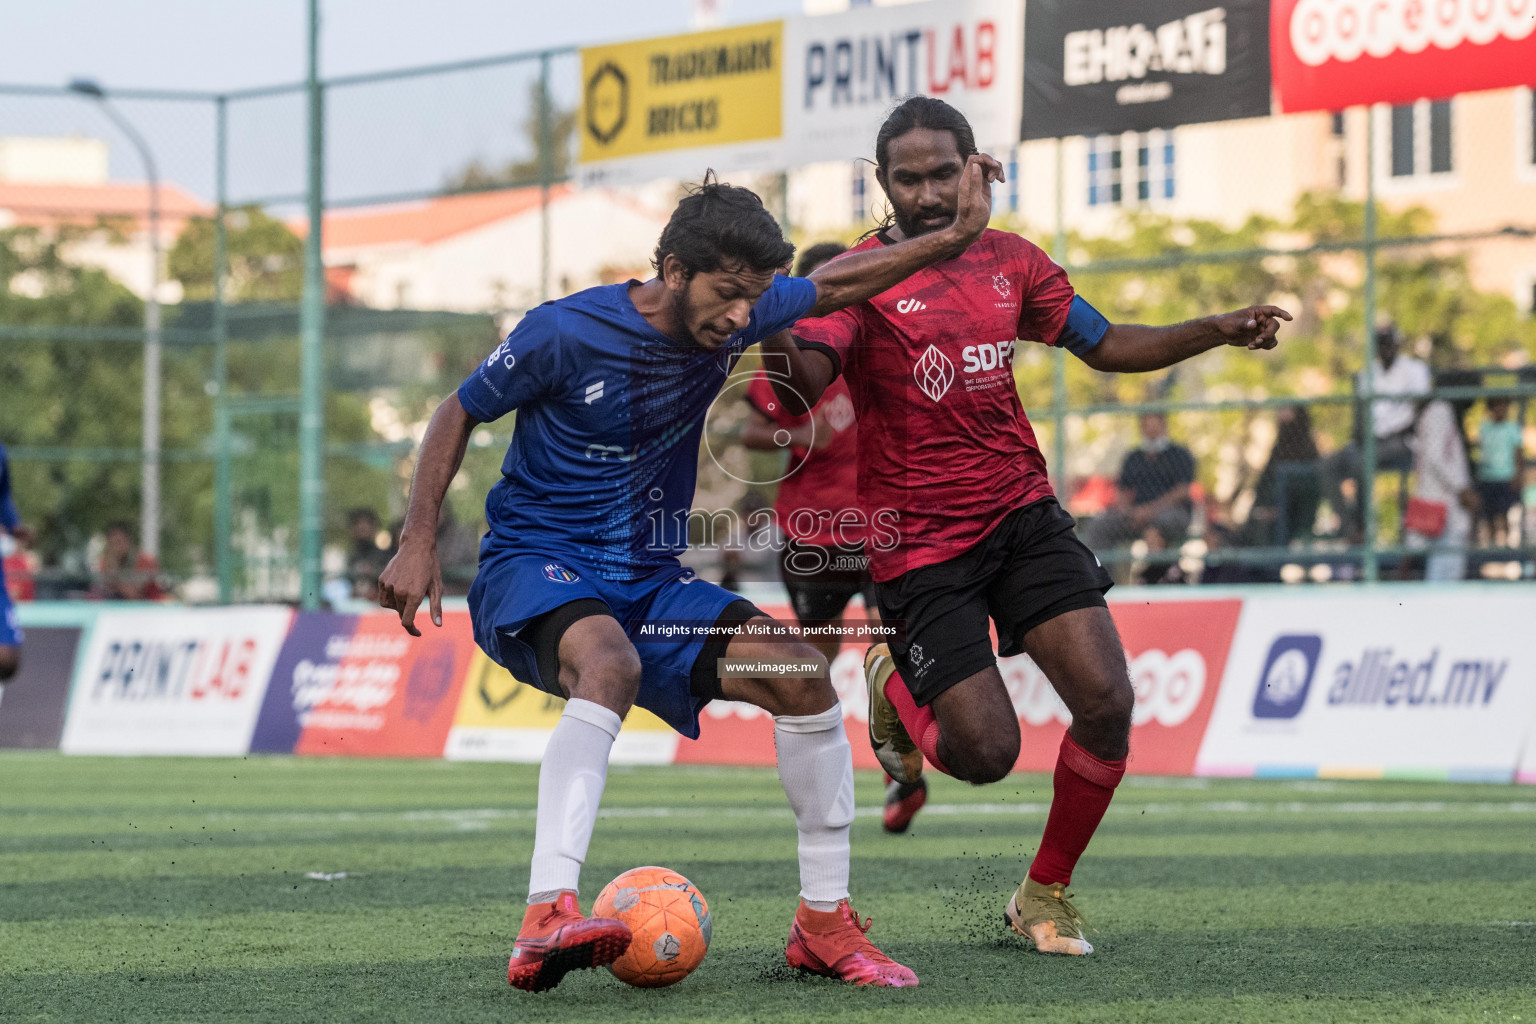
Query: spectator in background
<point x="125" y="573"/>
<point x="1440" y="513"/>
<point x="458" y="552"/>
<point x="1500" y="467"/>
<point x="1287" y="494"/>
<point x="1153" y="502"/>
<point x="1392" y="422"/>
<point x="365" y="558"/>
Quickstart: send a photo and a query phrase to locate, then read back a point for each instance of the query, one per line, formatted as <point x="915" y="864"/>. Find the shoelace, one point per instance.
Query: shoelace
<point x="862" y="943"/>
<point x="1073" y="916"/>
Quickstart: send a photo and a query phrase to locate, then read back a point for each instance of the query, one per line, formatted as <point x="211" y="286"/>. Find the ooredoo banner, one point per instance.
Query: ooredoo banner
<point x="1422" y="684"/>
<point x="1177" y="653"/>
<point x="1331" y="54"/>
<point x="191" y="682"/>
<point x="843" y="72"/>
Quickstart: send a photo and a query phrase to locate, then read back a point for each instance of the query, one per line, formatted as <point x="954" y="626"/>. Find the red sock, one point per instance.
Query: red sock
<point x="1084" y="786"/>
<point x="920" y="723"/>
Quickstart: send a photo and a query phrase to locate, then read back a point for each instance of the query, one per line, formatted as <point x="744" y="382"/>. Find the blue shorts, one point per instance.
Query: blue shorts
<point x="666" y="616"/>
<point x="10" y="626"/>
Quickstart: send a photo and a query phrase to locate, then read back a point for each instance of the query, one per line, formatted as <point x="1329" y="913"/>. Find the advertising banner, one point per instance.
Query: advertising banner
<point x="1177" y="652"/>
<point x="191" y="682"/>
<point x="676" y="105"/>
<point x="361" y="686"/>
<point x="1405" y="684"/>
<point x="843" y="72"/>
<point x="501" y="719"/>
<point x="1093" y="67"/>
<point x="32" y="703"/>
<point x="1332" y="54"/>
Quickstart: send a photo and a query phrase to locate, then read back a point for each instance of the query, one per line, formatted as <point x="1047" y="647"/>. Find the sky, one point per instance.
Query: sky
<point x="394" y="138"/>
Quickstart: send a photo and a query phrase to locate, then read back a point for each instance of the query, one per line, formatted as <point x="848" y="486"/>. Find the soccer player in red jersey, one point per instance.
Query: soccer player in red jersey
<point x="945" y="445"/>
<point x="822" y="563"/>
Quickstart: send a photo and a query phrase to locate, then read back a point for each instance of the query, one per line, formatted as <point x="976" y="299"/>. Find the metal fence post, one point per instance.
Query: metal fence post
<point x="223" y="477"/>
<point x="1367" y="495"/>
<point x="546" y="174"/>
<point x="311" y="344"/>
<point x="1059" y="357"/>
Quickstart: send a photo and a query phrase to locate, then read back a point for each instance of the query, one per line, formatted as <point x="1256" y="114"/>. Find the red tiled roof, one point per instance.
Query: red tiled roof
<point x="47" y="205"/>
<point x="429" y="220"/>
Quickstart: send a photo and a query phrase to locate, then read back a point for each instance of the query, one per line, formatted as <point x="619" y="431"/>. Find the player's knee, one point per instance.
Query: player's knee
<point x="608" y="675"/>
<point x="1110" y="709"/>
<point x="985" y="758"/>
<point x="809" y="692"/>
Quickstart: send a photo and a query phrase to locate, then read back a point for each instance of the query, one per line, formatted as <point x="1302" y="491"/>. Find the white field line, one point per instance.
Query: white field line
<point x="485" y="815"/>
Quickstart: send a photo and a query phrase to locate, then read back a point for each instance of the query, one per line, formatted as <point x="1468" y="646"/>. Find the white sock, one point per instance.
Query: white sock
<point x="816" y="768"/>
<point x="571" y="781"/>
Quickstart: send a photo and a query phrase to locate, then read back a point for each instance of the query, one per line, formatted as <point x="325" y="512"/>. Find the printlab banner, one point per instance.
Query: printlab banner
<point x="1438" y="683"/>
<point x="843" y="72"/>
<point x="675" y="105"/>
<point x="1096" y="67"/>
<point x="188" y="681"/>
<point x="1331" y="54"/>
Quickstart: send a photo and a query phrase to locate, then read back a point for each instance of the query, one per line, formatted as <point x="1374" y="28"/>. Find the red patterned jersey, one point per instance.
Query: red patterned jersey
<point x="822" y="483"/>
<point x="945" y="449"/>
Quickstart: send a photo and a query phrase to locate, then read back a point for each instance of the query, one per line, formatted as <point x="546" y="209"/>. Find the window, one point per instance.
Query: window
<point x="860" y="198"/>
<point x="1135" y="168"/>
<point x="1103" y="170"/>
<point x="1013" y="182"/>
<point x="1338" y="124"/>
<point x="1420" y="136"/>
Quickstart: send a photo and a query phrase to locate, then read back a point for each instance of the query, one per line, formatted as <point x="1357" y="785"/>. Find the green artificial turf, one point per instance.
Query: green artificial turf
<point x="176" y="890"/>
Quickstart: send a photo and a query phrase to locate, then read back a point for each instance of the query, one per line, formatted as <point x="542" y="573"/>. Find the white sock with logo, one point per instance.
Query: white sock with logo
<point x="816" y="768"/>
<point x="571" y="779"/>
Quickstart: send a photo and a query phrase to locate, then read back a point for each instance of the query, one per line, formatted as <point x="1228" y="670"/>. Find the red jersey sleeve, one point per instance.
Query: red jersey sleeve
<point x="761" y="397"/>
<point x="831" y="335"/>
<point x="1047" y="297"/>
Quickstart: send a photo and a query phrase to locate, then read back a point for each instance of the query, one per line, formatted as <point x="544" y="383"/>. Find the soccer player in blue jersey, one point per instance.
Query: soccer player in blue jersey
<point x="580" y="591"/>
<point x="10" y="629"/>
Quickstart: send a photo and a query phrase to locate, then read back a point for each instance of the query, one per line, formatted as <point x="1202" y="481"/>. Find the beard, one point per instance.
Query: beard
<point x="682" y="312"/>
<point x="911" y="221"/>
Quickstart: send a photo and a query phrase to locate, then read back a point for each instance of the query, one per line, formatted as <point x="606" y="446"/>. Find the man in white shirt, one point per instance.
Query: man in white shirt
<point x="1392" y="422"/>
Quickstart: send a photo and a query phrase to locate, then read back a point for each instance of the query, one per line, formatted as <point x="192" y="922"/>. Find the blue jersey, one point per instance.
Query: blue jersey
<point x="8" y="517"/>
<point x="604" y="455"/>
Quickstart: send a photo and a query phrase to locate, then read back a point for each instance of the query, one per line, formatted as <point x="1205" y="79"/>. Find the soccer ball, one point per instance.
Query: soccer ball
<point x="670" y="922"/>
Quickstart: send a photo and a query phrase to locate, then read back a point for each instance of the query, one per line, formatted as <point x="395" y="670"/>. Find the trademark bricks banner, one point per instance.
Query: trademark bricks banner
<point x="501" y="719"/>
<point x="1331" y="54"/>
<point x="676" y="105"/>
<point x="173" y="682"/>
<point x="1438" y="684"/>
<point x="1096" y="67"/>
<point x="843" y="72"/>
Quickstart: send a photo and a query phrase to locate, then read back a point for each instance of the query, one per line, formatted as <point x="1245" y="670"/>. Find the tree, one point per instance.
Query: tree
<point x="266" y="259"/>
<point x="476" y="176"/>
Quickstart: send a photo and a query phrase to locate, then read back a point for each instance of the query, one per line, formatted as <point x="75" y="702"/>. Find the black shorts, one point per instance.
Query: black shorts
<point x="1028" y="570"/>
<point x="822" y="580"/>
<point x="544" y="633"/>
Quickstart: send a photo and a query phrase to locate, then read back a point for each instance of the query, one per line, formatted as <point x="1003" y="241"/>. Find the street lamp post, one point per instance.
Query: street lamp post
<point x="149" y="525"/>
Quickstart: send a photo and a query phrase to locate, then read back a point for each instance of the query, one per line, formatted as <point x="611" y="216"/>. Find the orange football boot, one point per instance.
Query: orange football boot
<point x="832" y="943"/>
<point x="556" y="939"/>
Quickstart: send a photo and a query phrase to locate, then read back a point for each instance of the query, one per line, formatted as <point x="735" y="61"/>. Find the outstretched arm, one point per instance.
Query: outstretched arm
<point x="1134" y="348"/>
<point x="414" y="572"/>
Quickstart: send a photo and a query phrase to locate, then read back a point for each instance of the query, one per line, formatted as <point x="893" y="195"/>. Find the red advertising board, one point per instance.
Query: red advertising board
<point x="1177" y="651"/>
<point x="1332" y="54"/>
<point x="393" y="695"/>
